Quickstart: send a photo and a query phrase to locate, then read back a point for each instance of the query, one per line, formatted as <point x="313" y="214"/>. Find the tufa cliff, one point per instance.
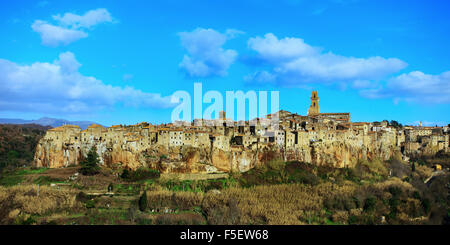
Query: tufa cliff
<point x="223" y="145"/>
<point x="211" y="149"/>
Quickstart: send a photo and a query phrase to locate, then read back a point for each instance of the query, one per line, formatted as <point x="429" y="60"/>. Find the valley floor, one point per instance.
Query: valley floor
<point x="376" y="192"/>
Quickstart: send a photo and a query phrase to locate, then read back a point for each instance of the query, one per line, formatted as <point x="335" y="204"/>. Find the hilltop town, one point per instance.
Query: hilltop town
<point x="223" y="146"/>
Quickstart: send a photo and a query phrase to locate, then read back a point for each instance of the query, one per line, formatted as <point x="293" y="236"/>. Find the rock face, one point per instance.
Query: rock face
<point x="226" y="146"/>
<point x="172" y="150"/>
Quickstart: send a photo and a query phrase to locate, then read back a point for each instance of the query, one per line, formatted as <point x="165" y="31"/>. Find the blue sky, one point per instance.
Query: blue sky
<point x="117" y="62"/>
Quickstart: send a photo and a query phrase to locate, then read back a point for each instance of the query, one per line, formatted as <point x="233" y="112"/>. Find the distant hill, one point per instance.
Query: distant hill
<point x="47" y="121"/>
<point x="18" y="143"/>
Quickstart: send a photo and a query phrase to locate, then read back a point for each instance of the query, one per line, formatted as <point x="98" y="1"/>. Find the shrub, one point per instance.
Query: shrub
<point x="143" y="203"/>
<point x="140" y="174"/>
<point x="395" y="191"/>
<point x="90" y="204"/>
<point x="82" y="197"/>
<point x="125" y="174"/>
<point x="352" y="220"/>
<point x="426" y="205"/>
<point x="340" y="203"/>
<point x="340" y="217"/>
<point x="416" y="195"/>
<point x="370" y="203"/>
<point x="29" y="221"/>
<point x="350" y="174"/>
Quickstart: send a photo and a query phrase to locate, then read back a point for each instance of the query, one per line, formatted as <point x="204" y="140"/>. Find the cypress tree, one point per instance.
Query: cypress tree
<point x="89" y="166"/>
<point x="143" y="201"/>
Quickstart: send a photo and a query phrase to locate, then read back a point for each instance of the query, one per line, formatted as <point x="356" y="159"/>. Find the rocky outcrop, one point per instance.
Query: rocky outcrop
<point x="134" y="147"/>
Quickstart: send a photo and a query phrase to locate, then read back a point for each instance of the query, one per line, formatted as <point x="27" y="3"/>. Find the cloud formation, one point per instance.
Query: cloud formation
<point x="89" y="19"/>
<point x="70" y="27"/>
<point x="58" y="87"/>
<point x="52" y="35"/>
<point x="295" y="63"/>
<point x="206" y="57"/>
<point x="415" y="86"/>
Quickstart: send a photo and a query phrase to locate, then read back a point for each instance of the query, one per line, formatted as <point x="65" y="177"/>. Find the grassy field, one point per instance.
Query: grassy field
<point x="376" y="192"/>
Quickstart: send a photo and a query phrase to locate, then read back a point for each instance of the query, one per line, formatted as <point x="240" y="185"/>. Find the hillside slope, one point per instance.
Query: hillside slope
<point x="18" y="143"/>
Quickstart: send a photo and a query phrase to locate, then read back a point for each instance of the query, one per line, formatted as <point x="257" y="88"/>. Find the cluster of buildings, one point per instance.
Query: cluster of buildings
<point x="281" y="131"/>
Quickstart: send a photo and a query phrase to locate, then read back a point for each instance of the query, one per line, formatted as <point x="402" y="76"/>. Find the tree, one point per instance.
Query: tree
<point x="143" y="201"/>
<point x="303" y="125"/>
<point x="89" y="166"/>
<point x="413" y="167"/>
<point x="395" y="124"/>
<point x="125" y="174"/>
<point x="370" y="204"/>
<point x="12" y="157"/>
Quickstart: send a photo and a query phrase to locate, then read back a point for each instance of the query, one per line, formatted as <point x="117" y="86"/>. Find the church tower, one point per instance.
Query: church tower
<point x="222" y="115"/>
<point x="314" y="109"/>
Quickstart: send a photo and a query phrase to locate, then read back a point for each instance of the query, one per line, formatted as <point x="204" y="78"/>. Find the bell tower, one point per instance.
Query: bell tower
<point x="314" y="109"/>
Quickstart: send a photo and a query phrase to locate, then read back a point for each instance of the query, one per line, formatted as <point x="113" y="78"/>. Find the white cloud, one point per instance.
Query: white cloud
<point x="59" y="87"/>
<point x="55" y="35"/>
<point x="89" y="19"/>
<point x="414" y="86"/>
<point x="70" y="28"/>
<point x="206" y="57"/>
<point x="232" y="33"/>
<point x="295" y="63"/>
<point x="275" y="50"/>
<point x="68" y="63"/>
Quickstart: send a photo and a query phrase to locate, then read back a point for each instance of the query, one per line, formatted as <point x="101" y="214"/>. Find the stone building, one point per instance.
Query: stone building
<point x="205" y="145"/>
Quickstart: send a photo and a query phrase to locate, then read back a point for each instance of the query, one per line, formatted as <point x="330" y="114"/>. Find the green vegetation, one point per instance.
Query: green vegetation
<point x="140" y="174"/>
<point x="46" y="180"/>
<point x="31" y="171"/>
<point x="370" y="203"/>
<point x="18" y="143"/>
<point x="395" y="124"/>
<point x="372" y="192"/>
<point x="143" y="202"/>
<point x="89" y="166"/>
<point x="11" y="180"/>
<point x="11" y="177"/>
<point x="199" y="185"/>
